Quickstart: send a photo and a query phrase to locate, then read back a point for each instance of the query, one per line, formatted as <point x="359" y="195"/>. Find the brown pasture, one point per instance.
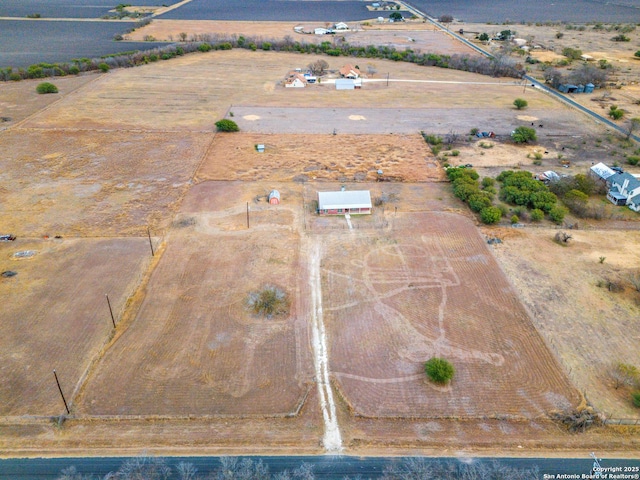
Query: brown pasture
<point x="588" y="327"/>
<point x="429" y="287"/>
<point x="194" y="347"/>
<point x="94" y="183"/>
<point x="319" y="157"/>
<point x="55" y="315"/>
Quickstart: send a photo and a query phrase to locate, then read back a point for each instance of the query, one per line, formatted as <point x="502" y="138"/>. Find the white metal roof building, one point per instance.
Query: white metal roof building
<point x="339" y="203"/>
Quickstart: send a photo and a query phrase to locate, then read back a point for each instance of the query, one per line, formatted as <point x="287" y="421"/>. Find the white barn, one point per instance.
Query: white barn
<point x="342" y="202"/>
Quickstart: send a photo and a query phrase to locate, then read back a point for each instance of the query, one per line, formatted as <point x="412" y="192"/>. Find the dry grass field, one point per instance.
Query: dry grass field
<point x="589" y="327"/>
<point x="190" y="367"/>
<point x="94" y="183"/>
<point x="194" y="347"/>
<point x="55" y="315"/>
<point x="353" y="158"/>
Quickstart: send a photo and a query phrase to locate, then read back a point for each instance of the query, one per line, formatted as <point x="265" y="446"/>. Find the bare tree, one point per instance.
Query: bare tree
<point x="144" y="468"/>
<point x="186" y="471"/>
<point x="371" y="69"/>
<point x="318" y="67"/>
<point x="633" y="125"/>
<point x="624" y="374"/>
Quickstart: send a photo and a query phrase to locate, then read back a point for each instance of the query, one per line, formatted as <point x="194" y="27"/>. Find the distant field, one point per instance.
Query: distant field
<point x="272" y="10"/>
<point x="578" y="11"/>
<point x="26" y="42"/>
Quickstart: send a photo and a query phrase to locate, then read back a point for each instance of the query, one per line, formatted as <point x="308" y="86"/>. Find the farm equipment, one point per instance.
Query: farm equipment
<point x="7" y="238"/>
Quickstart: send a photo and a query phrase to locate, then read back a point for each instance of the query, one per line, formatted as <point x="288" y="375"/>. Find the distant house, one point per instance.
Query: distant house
<point x="624" y="189"/>
<point x="341" y="26"/>
<point x="274" y="197"/>
<point x="295" y="80"/>
<point x="310" y="78"/>
<point x="344" y="201"/>
<point x="322" y="31"/>
<point x="348" y="83"/>
<point x="349" y="71"/>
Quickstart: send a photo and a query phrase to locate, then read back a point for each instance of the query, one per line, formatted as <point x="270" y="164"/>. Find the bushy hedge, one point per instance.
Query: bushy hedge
<point x="466" y="188"/>
<point x="226" y="125"/>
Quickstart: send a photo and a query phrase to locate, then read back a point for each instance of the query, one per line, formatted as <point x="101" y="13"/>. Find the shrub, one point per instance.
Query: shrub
<point x="227" y="126"/>
<point x="514" y="219"/>
<point x="270" y="301"/>
<point x="439" y="370"/>
<point x="637" y="54"/>
<point x="74" y="70"/>
<point x="204" y="47"/>
<point x="478" y="202"/>
<point x="520" y="103"/>
<point x="488" y="182"/>
<point x="572" y="53"/>
<point x="621" y="38"/>
<point x="490" y="215"/>
<point x="633" y="159"/>
<point x="635" y="398"/>
<point x="104" y="68"/>
<point x="557" y="213"/>
<point x="266" y="46"/>
<point x="537" y="215"/>
<point x="455" y="153"/>
<point x="46" y="87"/>
<point x="615" y="112"/>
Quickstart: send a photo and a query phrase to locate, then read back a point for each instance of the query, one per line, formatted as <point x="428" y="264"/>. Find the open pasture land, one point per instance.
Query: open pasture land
<point x="86" y="183"/>
<point x="354" y="158"/>
<point x="429" y="287"/>
<point x="194" y="91"/>
<point x="19" y="100"/>
<point x="589" y="327"/>
<point x="55" y="316"/>
<point x="194" y="347"/>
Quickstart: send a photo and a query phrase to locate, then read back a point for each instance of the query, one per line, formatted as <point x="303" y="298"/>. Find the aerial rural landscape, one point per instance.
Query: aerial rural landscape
<point x="236" y="233"/>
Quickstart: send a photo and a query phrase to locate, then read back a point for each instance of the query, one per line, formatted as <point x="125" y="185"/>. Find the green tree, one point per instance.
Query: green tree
<point x="524" y="135"/>
<point x="46" y="87"/>
<point x="490" y="215"/>
<point x="635" y="398"/>
<point x="226" y="125"/>
<point x="520" y="103"/>
<point x="637" y="54"/>
<point x="439" y="370"/>
<point x="484" y="37"/>
<point x="104" y="68"/>
<point x="396" y="16"/>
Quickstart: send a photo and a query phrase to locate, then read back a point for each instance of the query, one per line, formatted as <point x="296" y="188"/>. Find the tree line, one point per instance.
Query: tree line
<point x="238" y="468"/>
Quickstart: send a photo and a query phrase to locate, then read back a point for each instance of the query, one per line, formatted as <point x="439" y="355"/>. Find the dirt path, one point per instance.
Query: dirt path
<point x="332" y="440"/>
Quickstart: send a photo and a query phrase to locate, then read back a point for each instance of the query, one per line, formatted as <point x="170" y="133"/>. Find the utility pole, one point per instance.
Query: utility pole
<point x="61" y="394"/>
<point x="387" y="79"/>
<point x="247" y="215"/>
<point x="113" y="320"/>
<point x="150" y="242"/>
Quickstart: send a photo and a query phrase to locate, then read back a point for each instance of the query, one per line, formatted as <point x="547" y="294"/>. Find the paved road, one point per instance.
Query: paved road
<point x="324" y="467"/>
